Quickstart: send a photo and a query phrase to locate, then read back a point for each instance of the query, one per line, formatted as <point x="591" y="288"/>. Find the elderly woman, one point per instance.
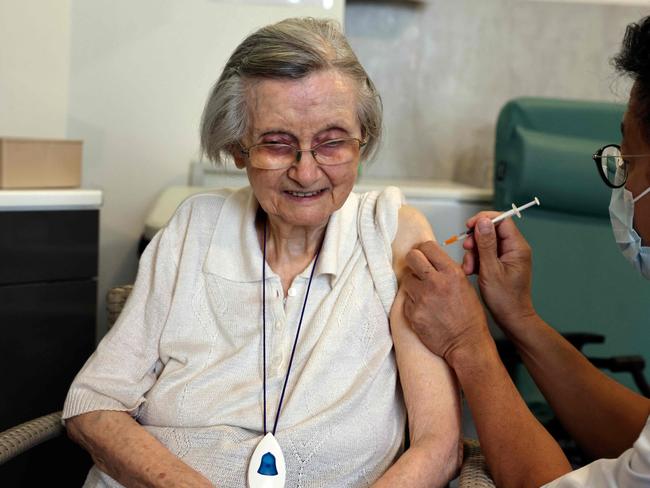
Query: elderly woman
<point x="256" y="346"/>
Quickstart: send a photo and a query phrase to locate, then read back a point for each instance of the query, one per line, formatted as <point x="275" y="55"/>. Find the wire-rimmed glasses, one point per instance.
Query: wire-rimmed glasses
<point x="612" y="166"/>
<point x="333" y="152"/>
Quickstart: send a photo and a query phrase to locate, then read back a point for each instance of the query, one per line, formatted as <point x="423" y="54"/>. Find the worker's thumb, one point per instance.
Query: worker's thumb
<point x="486" y="241"/>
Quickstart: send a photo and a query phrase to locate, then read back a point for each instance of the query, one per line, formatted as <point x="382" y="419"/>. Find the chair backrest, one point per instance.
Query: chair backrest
<point x="115" y="300"/>
<point x="581" y="282"/>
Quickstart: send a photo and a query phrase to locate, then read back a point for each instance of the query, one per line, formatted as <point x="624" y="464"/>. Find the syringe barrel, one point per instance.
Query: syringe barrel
<point x="503" y="216"/>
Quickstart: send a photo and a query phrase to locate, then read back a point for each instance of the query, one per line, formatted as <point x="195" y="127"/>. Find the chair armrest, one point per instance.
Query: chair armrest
<point x="115" y="299"/>
<point x="626" y="364"/>
<point x="474" y="471"/>
<point x="16" y="440"/>
<point x="580" y="339"/>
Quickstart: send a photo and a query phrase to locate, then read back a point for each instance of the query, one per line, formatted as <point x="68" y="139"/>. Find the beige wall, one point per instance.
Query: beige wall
<point x="34" y="67"/>
<point x="445" y="68"/>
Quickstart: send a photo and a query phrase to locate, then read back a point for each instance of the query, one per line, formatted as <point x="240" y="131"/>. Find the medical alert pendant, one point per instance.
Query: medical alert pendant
<point x="267" y="468"/>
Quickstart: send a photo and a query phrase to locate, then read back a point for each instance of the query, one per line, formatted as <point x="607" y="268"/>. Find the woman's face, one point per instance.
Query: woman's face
<point x="635" y="142"/>
<point x="303" y="113"/>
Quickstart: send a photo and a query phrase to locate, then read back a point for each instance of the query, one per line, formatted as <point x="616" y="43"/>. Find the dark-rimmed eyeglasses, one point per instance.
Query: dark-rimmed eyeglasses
<point x="612" y="165"/>
<point x="333" y="152"/>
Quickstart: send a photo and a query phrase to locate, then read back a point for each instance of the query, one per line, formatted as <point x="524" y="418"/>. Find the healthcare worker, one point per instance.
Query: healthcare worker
<point x="608" y="420"/>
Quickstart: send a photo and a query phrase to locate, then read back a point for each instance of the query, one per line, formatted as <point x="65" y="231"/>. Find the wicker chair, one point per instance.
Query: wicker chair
<point x="115" y="300"/>
<point x="16" y="440"/>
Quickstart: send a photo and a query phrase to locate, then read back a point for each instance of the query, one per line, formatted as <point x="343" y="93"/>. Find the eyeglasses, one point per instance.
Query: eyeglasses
<point x="612" y="165"/>
<point x="333" y="152"/>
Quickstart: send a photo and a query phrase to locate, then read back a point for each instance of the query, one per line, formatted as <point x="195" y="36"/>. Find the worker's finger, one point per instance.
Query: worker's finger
<point x="469" y="244"/>
<point x="412" y="286"/>
<point x="486" y="242"/>
<point x="419" y="264"/>
<point x="408" y="308"/>
<point x="490" y="214"/>
<point x="470" y="263"/>
<point x="436" y="256"/>
<point x="509" y="237"/>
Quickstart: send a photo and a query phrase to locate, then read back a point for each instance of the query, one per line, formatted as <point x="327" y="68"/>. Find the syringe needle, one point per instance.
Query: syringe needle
<point x="515" y="211"/>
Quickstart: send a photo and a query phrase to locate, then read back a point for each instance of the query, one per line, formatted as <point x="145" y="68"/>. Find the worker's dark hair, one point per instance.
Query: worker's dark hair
<point x="634" y="61"/>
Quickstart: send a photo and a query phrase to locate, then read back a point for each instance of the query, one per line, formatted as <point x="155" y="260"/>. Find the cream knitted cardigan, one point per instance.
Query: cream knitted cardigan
<point x="185" y="356"/>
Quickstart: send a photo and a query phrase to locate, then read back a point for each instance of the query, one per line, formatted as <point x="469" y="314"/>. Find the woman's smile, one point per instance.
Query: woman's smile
<point x="301" y="196"/>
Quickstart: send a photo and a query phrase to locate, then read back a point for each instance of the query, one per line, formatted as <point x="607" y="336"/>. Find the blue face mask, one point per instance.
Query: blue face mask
<point x="621" y="213"/>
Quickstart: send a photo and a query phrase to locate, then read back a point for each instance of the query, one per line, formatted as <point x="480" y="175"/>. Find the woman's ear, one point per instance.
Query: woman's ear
<point x="238" y="156"/>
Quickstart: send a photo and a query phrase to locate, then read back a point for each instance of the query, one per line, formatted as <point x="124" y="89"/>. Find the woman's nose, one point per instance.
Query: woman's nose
<point x="305" y="170"/>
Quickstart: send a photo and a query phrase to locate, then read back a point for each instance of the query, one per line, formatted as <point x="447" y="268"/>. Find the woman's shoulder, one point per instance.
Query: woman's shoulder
<point x="193" y="223"/>
<point x="389" y="196"/>
<point x="413" y="228"/>
<point x="198" y="214"/>
<point x="378" y="211"/>
<point x="208" y="204"/>
<point x="388" y="230"/>
<point x="207" y="198"/>
<point x="401" y="225"/>
<point x="386" y="209"/>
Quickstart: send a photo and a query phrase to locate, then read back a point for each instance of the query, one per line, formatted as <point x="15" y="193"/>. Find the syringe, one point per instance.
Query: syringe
<point x="515" y="211"/>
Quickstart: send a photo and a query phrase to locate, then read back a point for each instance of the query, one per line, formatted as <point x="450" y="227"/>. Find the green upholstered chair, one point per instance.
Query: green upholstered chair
<point x="581" y="282"/>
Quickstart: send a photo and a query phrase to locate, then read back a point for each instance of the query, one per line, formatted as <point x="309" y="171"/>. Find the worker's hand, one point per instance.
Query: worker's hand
<point x="441" y="305"/>
<point x="502" y="259"/>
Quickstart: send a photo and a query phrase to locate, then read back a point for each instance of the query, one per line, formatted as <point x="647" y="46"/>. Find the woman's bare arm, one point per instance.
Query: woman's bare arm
<point x="430" y="390"/>
<point x="124" y="450"/>
<point x="447" y="315"/>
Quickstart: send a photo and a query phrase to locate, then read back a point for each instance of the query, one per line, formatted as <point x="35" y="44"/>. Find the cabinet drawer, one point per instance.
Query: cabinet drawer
<point x="48" y="245"/>
<point x="48" y="332"/>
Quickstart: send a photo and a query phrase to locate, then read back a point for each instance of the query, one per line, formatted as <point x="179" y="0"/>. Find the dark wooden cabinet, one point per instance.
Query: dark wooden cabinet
<point x="46" y="246"/>
<point x="48" y="307"/>
<point x="48" y="302"/>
